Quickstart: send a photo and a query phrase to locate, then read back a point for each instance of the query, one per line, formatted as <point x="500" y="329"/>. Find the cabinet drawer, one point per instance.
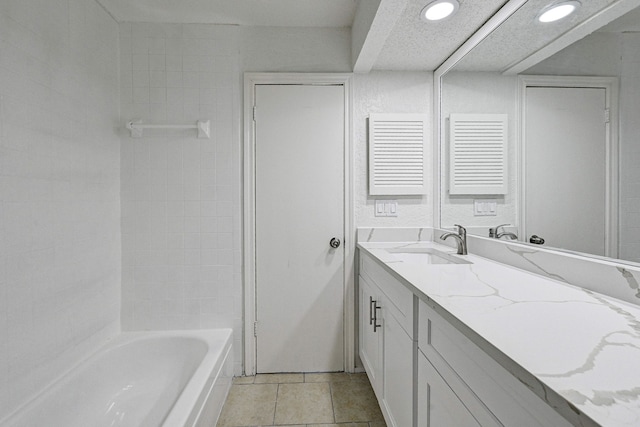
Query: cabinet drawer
<point x="505" y="396"/>
<point x="400" y="298"/>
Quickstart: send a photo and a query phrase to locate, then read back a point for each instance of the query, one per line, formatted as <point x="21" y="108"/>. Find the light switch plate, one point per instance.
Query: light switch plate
<point x="485" y="207"/>
<point x="386" y="208"/>
<point x="392" y="208"/>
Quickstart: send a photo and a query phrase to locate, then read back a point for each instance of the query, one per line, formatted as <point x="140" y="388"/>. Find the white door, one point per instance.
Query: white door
<point x="565" y="167"/>
<point x="299" y="209"/>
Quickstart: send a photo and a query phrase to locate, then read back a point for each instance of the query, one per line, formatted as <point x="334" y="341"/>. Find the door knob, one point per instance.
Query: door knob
<point x="536" y="240"/>
<point x="334" y="243"/>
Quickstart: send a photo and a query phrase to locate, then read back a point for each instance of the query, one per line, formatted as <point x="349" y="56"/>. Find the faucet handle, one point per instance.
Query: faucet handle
<point x="461" y="229"/>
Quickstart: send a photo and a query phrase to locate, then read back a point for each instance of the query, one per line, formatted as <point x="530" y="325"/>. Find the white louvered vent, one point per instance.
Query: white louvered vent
<point x="478" y="154"/>
<point x="397" y="154"/>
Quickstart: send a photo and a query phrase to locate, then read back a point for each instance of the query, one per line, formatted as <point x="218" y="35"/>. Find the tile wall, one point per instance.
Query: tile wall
<point x="181" y="196"/>
<point x="59" y="190"/>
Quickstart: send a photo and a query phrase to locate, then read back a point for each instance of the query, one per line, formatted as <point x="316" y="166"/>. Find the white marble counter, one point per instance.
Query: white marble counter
<point x="577" y="349"/>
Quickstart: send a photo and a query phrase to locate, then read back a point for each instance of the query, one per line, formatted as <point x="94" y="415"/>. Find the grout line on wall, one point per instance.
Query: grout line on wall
<point x="108" y="12"/>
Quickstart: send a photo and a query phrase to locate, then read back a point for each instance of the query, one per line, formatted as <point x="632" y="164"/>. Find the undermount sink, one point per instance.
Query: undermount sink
<point x="426" y="256"/>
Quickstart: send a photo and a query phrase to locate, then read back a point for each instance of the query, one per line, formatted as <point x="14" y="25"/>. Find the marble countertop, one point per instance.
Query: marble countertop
<point x="575" y="348"/>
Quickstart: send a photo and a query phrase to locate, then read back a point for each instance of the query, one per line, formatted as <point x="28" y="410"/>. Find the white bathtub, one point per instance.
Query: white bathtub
<point x="167" y="379"/>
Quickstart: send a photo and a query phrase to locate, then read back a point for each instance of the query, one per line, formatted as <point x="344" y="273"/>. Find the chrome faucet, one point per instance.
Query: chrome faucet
<point x="461" y="239"/>
<point x="497" y="234"/>
<point x="509" y="234"/>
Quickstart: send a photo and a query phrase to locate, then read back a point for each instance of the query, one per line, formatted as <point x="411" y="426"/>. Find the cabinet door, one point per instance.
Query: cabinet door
<point x="490" y="392"/>
<point x="398" y="371"/>
<point x="438" y="405"/>
<point x="370" y="340"/>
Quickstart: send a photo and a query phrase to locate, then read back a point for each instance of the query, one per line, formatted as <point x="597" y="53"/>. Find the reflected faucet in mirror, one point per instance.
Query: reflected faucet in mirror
<point x="461" y="239"/>
<point x="497" y="234"/>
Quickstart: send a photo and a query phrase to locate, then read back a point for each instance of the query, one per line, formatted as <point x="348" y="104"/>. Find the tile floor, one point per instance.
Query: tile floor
<point x="298" y="400"/>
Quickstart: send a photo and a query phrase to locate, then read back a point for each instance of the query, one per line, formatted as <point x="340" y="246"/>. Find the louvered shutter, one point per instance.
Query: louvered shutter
<point x="397" y="154"/>
<point x="478" y="154"/>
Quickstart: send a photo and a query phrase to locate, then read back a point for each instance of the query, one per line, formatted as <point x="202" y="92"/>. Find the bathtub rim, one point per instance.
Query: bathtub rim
<point x="219" y="344"/>
<point x="199" y="384"/>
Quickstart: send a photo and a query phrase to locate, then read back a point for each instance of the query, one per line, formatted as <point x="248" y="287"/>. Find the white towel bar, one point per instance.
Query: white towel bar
<point x="136" y="127"/>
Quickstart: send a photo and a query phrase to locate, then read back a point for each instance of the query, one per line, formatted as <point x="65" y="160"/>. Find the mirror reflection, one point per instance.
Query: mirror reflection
<point x="570" y="94"/>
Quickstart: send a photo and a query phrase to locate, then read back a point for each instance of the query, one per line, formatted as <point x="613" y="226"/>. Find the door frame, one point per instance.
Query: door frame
<point x="251" y="80"/>
<point x="611" y="87"/>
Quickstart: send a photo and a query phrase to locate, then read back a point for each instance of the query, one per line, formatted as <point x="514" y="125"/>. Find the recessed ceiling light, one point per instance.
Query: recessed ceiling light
<point x="439" y="10"/>
<point x="557" y="11"/>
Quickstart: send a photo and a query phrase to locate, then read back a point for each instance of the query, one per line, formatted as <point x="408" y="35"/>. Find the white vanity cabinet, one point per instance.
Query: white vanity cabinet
<point x="480" y="390"/>
<point x="438" y="405"/>
<point x="386" y="341"/>
<point x="426" y="372"/>
<point x="397" y="396"/>
<point x="370" y="338"/>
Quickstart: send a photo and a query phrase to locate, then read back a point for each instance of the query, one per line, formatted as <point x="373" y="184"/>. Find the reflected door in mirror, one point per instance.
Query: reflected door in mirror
<point x="565" y="167"/>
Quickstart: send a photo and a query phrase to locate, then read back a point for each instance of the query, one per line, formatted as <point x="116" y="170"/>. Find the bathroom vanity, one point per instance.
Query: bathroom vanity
<point x="450" y="340"/>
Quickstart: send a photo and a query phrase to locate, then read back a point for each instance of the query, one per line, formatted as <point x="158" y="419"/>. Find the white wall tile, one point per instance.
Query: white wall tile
<point x="140" y="61"/>
<point x="175" y="248"/>
<point x="202" y="66"/>
<point x="157" y="62"/>
<point x="174" y="80"/>
<point x="60" y="261"/>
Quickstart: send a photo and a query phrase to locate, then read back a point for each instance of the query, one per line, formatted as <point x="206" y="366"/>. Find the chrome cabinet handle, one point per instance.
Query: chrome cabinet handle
<point x="371" y="302"/>
<point x="334" y="243"/>
<point x="375" y="316"/>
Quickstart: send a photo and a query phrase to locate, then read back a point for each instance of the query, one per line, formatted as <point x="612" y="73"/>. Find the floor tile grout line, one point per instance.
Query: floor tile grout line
<point x="333" y="408"/>
<point x="330" y="381"/>
<point x="275" y="406"/>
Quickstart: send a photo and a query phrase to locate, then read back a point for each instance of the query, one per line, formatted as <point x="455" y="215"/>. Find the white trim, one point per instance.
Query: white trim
<point x="378" y="29"/>
<point x="610" y="85"/>
<point x="437" y="131"/>
<point x="250" y="81"/>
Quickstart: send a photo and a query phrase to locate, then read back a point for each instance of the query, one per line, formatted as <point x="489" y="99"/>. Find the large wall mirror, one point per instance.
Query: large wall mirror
<point x="570" y="95"/>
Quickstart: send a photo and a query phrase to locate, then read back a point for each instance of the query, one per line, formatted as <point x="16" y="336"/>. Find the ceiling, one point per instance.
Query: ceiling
<point x="272" y="13"/>
<point x="629" y="23"/>
<point x="521" y="35"/>
<point x="391" y="35"/>
<point x="417" y="45"/>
